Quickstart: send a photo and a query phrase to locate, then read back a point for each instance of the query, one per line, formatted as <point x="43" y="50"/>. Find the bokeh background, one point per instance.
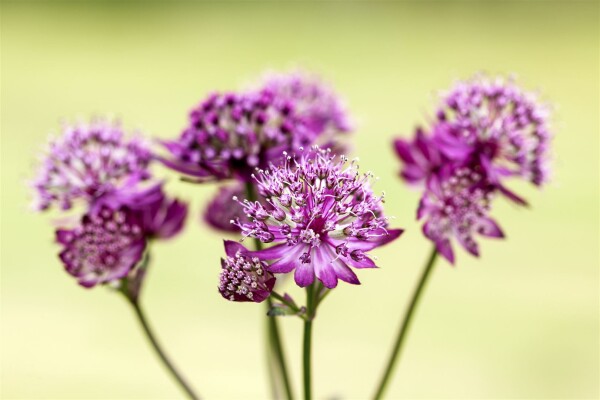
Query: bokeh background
<point x="521" y="322"/>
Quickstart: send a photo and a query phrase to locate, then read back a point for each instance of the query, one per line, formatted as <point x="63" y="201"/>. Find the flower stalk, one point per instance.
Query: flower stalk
<point x="132" y="299"/>
<point x="307" y="344"/>
<point x="400" y="338"/>
<point x="273" y="332"/>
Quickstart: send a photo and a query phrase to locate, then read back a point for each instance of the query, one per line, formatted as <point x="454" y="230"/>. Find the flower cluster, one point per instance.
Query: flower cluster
<point x="95" y="163"/>
<point x="486" y="130"/>
<point x="89" y="161"/>
<point x="229" y="135"/>
<point x="316" y="103"/>
<point x="321" y="217"/>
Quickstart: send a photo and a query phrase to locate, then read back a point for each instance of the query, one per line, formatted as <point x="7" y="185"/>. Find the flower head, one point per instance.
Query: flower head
<point x="458" y="207"/>
<point x="322" y="217"/>
<point x="229" y="135"/>
<point x="104" y="248"/>
<point x="244" y="277"/>
<point x="486" y="131"/>
<point x="493" y="123"/>
<point x="89" y="161"/>
<point x="315" y="102"/>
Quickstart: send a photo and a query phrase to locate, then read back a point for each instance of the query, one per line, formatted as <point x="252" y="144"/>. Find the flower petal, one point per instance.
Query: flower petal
<point x="304" y="274"/>
<point x="324" y="268"/>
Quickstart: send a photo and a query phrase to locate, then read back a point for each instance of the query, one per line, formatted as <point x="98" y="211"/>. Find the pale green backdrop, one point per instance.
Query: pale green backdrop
<point x="521" y="322"/>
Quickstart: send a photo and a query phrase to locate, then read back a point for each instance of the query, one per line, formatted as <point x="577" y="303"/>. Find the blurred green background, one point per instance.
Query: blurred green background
<point x="521" y="322"/>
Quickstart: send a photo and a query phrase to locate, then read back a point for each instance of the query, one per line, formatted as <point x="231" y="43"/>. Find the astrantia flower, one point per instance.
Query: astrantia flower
<point x="229" y="135"/>
<point x="458" y="207"/>
<point x="315" y="102"/>
<point x="222" y="209"/>
<point x="104" y="248"/>
<point x="89" y="161"/>
<point x="321" y="216"/>
<point x="244" y="277"/>
<point x="485" y="132"/>
<point x="493" y="123"/>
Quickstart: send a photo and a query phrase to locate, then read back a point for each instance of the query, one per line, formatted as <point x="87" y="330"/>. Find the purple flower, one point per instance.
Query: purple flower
<point x="104" y="248"/>
<point x="495" y="124"/>
<point x="229" y="135"/>
<point x="90" y="161"/>
<point x="458" y="207"/>
<point x="321" y="216"/>
<point x="222" y="209"/>
<point x="244" y="277"/>
<point x="315" y="102"/>
<point x="485" y="132"/>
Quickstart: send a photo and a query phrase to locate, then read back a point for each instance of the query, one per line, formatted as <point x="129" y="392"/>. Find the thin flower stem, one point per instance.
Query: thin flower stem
<point x="273" y="333"/>
<point x="273" y="373"/>
<point x="404" y="327"/>
<point x="307" y="373"/>
<point x="160" y="352"/>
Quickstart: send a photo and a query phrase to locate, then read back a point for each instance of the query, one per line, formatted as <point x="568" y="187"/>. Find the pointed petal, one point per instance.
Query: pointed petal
<point x="304" y="274"/>
<point x="445" y="249"/>
<point x="489" y="228"/>
<point x="273" y="253"/>
<point x="231" y="248"/>
<point x="366" y="262"/>
<point x="289" y="261"/>
<point x="371" y="243"/>
<point x="323" y="268"/>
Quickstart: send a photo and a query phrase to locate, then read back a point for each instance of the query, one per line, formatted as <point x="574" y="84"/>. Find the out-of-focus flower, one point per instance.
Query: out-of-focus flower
<point x="458" y="207"/>
<point x="322" y="217"/>
<point x="315" y="101"/>
<point x="494" y="123"/>
<point x="89" y="161"/>
<point x="104" y="248"/>
<point x="244" y="277"/>
<point x="222" y="210"/>
<point x="486" y="130"/>
<point x="229" y="135"/>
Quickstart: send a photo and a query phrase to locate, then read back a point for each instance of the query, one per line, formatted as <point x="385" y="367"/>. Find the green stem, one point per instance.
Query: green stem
<point x="404" y="327"/>
<point x="277" y="349"/>
<point x="160" y="352"/>
<point x="272" y="324"/>
<point x="307" y="373"/>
